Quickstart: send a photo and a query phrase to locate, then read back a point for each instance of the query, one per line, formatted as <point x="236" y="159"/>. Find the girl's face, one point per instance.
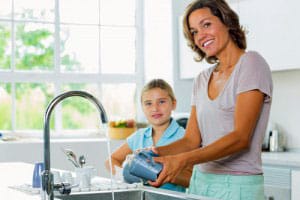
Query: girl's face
<point x="157" y="106"/>
<point x="209" y="33"/>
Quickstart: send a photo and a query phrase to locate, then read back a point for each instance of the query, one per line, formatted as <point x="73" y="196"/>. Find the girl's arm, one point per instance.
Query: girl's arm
<point x="118" y="157"/>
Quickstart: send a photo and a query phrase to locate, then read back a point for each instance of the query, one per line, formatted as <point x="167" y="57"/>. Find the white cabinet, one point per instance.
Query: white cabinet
<point x="277" y="183"/>
<point x="188" y="67"/>
<point x="295" y="184"/>
<point x="273" y="30"/>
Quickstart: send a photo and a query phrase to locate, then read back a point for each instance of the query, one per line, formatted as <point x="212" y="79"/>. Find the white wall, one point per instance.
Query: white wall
<point x="286" y="100"/>
<point x="285" y="110"/>
<point x="182" y="87"/>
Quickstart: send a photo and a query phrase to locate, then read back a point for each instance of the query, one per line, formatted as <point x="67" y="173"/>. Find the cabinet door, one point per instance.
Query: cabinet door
<point x="273" y="30"/>
<point x="295" y="184"/>
<point x="188" y="67"/>
<point x="277" y="183"/>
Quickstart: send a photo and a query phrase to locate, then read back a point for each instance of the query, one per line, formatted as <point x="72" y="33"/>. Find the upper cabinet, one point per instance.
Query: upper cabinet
<point x="188" y="67"/>
<point x="273" y="30"/>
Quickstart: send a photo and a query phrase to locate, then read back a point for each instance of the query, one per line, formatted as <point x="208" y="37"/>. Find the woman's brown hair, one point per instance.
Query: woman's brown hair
<point x="228" y="17"/>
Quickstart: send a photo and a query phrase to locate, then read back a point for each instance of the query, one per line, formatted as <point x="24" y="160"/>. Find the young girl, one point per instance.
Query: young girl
<point x="158" y="102"/>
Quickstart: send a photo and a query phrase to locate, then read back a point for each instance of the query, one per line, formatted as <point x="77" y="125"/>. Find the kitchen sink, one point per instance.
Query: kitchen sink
<point x="131" y="194"/>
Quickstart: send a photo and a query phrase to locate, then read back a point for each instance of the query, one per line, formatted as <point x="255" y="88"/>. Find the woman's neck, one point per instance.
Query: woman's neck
<point x="229" y="57"/>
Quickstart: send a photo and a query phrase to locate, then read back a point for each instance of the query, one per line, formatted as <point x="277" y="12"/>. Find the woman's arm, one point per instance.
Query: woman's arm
<point x="118" y="157"/>
<point x="247" y="111"/>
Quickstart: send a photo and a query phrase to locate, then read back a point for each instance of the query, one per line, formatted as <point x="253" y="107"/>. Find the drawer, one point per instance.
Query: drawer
<point x="277" y="177"/>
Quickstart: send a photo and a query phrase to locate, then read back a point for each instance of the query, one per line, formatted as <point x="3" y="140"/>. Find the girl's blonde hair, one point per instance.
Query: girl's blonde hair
<point x="159" y="83"/>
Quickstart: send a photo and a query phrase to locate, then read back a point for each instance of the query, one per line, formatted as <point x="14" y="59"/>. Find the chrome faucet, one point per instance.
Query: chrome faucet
<point x="47" y="177"/>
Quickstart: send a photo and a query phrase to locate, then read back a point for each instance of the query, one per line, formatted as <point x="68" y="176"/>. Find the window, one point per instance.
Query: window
<point x="52" y="46"/>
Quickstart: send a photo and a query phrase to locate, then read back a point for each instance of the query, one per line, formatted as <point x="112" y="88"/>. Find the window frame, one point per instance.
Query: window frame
<point x="59" y="78"/>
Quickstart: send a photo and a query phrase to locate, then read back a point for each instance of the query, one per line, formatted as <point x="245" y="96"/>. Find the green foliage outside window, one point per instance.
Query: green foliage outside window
<point x="4" y="41"/>
<point x="34" y="50"/>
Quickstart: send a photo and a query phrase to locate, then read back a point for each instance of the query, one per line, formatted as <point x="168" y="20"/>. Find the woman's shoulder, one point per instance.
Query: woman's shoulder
<point x="255" y="61"/>
<point x="254" y="57"/>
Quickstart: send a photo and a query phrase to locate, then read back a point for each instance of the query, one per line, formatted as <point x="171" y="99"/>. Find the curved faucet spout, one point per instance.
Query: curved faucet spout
<point x="47" y="177"/>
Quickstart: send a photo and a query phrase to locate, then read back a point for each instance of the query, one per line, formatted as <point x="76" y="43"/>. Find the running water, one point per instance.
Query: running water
<point x="105" y="129"/>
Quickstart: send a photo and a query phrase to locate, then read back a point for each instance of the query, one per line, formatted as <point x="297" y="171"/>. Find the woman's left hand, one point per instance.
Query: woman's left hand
<point x="172" y="167"/>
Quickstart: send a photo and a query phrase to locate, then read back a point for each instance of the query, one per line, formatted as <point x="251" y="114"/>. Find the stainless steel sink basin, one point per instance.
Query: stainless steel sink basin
<point x="131" y="194"/>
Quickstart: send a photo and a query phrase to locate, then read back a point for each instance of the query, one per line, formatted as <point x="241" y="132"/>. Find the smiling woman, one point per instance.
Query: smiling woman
<point x="56" y="46"/>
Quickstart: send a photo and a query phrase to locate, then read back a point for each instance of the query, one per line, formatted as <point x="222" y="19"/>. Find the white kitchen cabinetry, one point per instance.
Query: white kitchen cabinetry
<point x="277" y="183"/>
<point x="273" y="30"/>
<point x="188" y="67"/>
<point x="295" y="184"/>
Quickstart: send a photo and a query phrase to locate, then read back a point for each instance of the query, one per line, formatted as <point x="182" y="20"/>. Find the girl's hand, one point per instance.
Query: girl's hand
<point x="153" y="148"/>
<point x="172" y="167"/>
<point x="111" y="168"/>
<point x="145" y="149"/>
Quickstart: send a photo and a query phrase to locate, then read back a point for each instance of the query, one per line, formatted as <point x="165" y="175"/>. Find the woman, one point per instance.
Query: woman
<point x="230" y="110"/>
<point x="158" y="101"/>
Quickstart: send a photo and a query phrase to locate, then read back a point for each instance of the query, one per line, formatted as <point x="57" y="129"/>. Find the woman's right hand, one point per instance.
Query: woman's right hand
<point x="172" y="167"/>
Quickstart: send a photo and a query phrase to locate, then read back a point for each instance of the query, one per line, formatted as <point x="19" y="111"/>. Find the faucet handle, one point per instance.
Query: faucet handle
<point x="64" y="188"/>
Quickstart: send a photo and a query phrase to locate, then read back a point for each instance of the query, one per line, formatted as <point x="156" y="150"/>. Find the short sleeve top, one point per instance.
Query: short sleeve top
<point x="216" y="117"/>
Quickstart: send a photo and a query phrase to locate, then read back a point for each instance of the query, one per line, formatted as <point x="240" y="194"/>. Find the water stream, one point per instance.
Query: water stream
<point x="105" y="129"/>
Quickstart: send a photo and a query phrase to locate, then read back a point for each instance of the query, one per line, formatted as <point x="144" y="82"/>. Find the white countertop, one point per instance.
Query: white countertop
<point x="19" y="175"/>
<point x="288" y="159"/>
<point x="13" y="174"/>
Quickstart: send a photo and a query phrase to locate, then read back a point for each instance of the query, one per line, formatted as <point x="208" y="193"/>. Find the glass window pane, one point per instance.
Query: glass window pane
<point x="118" y="50"/>
<point x="116" y="12"/>
<point x="79" y="48"/>
<point x="5" y="46"/>
<point x="77" y="112"/>
<point x="34" y="10"/>
<point x="5" y="106"/>
<point x="31" y="102"/>
<point x="122" y="107"/>
<point x="5" y="9"/>
<point x="78" y="11"/>
<point x="34" y="46"/>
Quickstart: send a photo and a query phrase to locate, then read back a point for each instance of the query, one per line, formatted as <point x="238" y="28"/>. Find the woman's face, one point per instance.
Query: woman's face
<point x="209" y="33"/>
<point x="157" y="106"/>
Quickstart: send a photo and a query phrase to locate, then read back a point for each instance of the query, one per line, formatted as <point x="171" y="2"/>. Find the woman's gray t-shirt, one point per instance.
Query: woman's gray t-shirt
<point x="216" y="117"/>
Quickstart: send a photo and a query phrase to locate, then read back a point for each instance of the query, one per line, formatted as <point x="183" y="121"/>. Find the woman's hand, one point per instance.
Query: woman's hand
<point x="172" y="167"/>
